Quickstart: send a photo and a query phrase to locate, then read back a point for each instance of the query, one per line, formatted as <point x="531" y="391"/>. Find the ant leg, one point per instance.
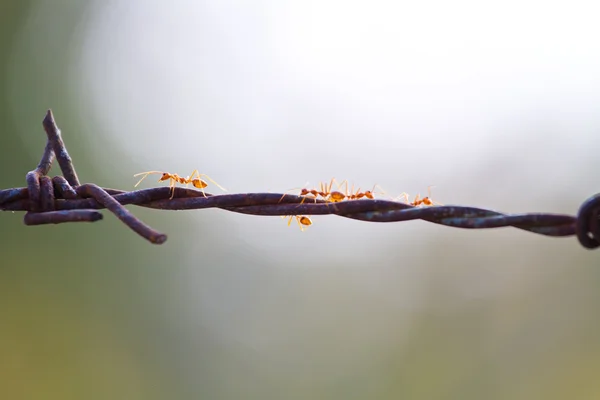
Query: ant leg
<point x="216" y="184"/>
<point x="145" y="176"/>
<point x="417" y="200"/>
<point x="377" y="186"/>
<point x="345" y="192"/>
<point x="285" y="194"/>
<point x="203" y="184"/>
<point x="404" y="196"/>
<point x="290" y="190"/>
<point x="202" y="190"/>
<point x="339" y="185"/>
<point x="190" y="178"/>
<point x="330" y="186"/>
<point x="172" y="188"/>
<point x="282" y="197"/>
<point x="299" y="223"/>
<point x="323" y="190"/>
<point x="433" y="203"/>
<point x="140" y="181"/>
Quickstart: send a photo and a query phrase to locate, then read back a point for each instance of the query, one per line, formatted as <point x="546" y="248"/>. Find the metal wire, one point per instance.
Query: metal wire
<point x="63" y="199"/>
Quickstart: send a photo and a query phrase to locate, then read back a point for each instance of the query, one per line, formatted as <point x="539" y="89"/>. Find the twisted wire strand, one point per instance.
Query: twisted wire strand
<point x="63" y="199"/>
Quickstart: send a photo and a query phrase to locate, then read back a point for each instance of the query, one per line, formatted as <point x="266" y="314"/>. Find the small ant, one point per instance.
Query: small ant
<point x="325" y="192"/>
<point x="302" y="220"/>
<point x="427" y="201"/>
<point x="174" y="179"/>
<point x="369" y="194"/>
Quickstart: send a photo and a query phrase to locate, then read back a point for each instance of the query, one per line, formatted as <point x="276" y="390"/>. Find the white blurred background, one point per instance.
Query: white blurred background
<point x="496" y="105"/>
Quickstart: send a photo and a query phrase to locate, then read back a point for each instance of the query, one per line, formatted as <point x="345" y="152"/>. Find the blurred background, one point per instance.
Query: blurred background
<point x="496" y="106"/>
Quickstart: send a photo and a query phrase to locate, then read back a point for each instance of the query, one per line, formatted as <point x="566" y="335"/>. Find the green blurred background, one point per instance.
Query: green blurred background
<point x="233" y="306"/>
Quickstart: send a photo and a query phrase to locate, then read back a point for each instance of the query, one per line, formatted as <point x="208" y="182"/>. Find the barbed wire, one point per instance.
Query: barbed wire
<point x="63" y="199"/>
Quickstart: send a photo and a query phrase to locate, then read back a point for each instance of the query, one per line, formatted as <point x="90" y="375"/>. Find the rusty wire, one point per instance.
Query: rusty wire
<point x="63" y="199"/>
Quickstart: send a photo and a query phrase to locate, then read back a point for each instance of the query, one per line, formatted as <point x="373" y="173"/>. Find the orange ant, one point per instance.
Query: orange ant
<point x="324" y="191"/>
<point x="427" y="201"/>
<point x="369" y="194"/>
<point x="424" y="201"/>
<point x="302" y="220"/>
<point x="174" y="179"/>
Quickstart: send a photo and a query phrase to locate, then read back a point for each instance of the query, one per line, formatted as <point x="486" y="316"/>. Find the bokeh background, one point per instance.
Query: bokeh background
<point x="495" y="105"/>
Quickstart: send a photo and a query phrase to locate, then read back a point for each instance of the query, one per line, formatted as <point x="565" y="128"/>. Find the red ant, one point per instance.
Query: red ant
<point x="174" y="179"/>
<point x="427" y="201"/>
<point x="324" y="192"/>
<point x="369" y="194"/>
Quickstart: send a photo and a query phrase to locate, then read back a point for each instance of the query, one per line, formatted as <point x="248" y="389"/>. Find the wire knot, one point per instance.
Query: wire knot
<point x="588" y="223"/>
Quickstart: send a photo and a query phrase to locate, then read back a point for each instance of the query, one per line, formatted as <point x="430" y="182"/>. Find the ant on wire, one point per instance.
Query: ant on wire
<point x="324" y="191"/>
<point x="369" y="194"/>
<point x="174" y="179"/>
<point x="427" y="201"/>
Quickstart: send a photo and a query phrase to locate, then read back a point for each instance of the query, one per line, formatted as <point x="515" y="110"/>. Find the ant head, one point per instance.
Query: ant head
<point x="373" y="191"/>
<point x="165" y="176"/>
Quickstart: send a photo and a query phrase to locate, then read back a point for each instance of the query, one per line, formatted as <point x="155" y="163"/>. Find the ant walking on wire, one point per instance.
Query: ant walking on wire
<point x="324" y="192"/>
<point x="369" y="194"/>
<point x="426" y="201"/>
<point x="195" y="179"/>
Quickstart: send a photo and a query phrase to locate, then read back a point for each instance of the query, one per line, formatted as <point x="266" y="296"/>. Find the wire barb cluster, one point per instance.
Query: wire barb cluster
<point x="63" y="199"/>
